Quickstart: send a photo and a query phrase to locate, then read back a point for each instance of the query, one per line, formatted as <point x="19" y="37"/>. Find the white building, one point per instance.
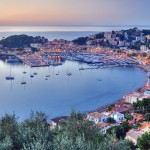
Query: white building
<point x="133" y="97"/>
<point x="103" y="127"/>
<point x="97" y="117"/>
<point x="113" y="42"/>
<point x="117" y="116"/>
<point x="121" y="43"/>
<point x="133" y="135"/>
<point x="27" y="49"/>
<point x="36" y="45"/>
<point x="57" y="120"/>
<point x="143" y="48"/>
<point x="147" y="93"/>
<point x="140" y="38"/>
<point x="126" y="35"/>
<point x="107" y="35"/>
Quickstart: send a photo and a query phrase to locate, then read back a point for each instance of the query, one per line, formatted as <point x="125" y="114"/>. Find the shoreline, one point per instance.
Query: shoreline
<point x="104" y="108"/>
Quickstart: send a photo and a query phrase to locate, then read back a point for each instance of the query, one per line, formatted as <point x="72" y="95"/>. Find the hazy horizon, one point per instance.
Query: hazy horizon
<point x="69" y="28"/>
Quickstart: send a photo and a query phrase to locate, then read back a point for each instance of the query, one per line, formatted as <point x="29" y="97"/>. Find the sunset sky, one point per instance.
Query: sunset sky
<point x="74" y="12"/>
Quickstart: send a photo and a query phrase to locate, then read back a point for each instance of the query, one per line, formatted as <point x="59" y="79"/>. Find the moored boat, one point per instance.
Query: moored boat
<point x="69" y="74"/>
<point x="10" y="78"/>
<point x="23" y="82"/>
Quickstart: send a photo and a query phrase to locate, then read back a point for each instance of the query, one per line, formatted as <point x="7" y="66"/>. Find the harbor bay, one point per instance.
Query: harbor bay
<point x="54" y="92"/>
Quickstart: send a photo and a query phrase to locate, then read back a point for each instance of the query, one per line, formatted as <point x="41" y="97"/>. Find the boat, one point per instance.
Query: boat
<point x="81" y="68"/>
<point x="24" y="71"/>
<point x="46" y="78"/>
<point x="99" y="79"/>
<point x="10" y="78"/>
<point x="31" y="76"/>
<point x="12" y="60"/>
<point x="48" y="74"/>
<point x="56" y="63"/>
<point x="23" y="82"/>
<point x="57" y="74"/>
<point x="69" y="74"/>
<point x="35" y="73"/>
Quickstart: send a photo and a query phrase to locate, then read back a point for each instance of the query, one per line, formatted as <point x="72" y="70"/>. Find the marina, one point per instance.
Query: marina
<point x="43" y="59"/>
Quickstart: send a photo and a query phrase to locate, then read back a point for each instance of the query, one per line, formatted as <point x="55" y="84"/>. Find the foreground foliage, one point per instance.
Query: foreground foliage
<point x="143" y="142"/>
<point x="74" y="134"/>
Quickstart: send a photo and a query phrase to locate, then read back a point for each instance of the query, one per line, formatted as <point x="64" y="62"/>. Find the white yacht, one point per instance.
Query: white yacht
<point x="12" y="60"/>
<point x="56" y="63"/>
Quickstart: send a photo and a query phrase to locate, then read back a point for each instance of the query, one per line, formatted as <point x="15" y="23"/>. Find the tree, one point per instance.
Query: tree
<point x="111" y="144"/>
<point x="111" y="120"/>
<point x="35" y="133"/>
<point x="99" y="35"/>
<point x="80" y="40"/>
<point x="142" y="106"/>
<point x="144" y="54"/>
<point x="21" y="41"/>
<point x="126" y="126"/>
<point x="6" y="144"/>
<point x="119" y="131"/>
<point x="147" y="117"/>
<point x="128" y="116"/>
<point x="76" y="133"/>
<point x="143" y="142"/>
<point x="110" y="107"/>
<point x="9" y="131"/>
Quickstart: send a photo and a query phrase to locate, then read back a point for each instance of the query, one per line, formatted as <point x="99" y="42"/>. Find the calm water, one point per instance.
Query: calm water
<point x="60" y="94"/>
<point x="60" y="32"/>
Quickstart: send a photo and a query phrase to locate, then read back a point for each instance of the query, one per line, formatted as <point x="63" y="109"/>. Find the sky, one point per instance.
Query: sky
<point x="74" y="12"/>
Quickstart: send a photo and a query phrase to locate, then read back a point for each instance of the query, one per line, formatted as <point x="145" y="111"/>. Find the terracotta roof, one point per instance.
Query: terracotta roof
<point x="121" y="109"/>
<point x="95" y="115"/>
<point x="102" y="124"/>
<point x="134" y="134"/>
<point x="57" y="120"/>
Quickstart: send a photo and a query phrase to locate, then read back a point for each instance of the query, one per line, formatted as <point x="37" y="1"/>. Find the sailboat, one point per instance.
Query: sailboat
<point x="10" y="77"/>
<point x="57" y="73"/>
<point x="69" y="73"/>
<point x="47" y="76"/>
<point x="24" y="72"/>
<point x="31" y="75"/>
<point x="24" y="81"/>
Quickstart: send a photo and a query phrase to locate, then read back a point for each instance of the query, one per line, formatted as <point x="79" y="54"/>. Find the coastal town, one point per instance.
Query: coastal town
<point x="126" y="48"/>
